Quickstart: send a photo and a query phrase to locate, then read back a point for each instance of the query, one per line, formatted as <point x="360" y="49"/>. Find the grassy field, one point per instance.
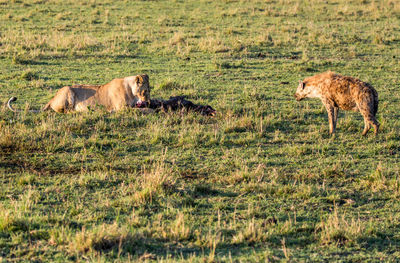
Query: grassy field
<point x="261" y="181"/>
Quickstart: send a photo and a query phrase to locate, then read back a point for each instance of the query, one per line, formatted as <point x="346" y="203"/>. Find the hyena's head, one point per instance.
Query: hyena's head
<point x="140" y="86"/>
<point x="305" y="90"/>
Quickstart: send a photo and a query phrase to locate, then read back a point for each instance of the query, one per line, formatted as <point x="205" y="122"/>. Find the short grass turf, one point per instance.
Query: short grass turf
<point x="261" y="181"/>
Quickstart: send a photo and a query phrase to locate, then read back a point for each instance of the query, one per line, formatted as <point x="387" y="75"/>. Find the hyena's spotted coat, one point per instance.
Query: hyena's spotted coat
<point x="341" y="92"/>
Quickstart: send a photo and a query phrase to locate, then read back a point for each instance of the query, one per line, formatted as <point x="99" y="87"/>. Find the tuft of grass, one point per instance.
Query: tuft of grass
<point x="102" y="239"/>
<point x="10" y="223"/>
<point x="253" y="233"/>
<point x="212" y="44"/>
<point x="179" y="230"/>
<point x="29" y="75"/>
<point x="177" y="39"/>
<point x="338" y="230"/>
<point x="170" y="85"/>
<point x="154" y="182"/>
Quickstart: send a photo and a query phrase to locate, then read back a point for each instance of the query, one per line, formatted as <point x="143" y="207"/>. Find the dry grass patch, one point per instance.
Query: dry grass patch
<point x="29" y="45"/>
<point x="154" y="182"/>
<point x="178" y="230"/>
<point x="177" y="39"/>
<point x="102" y="239"/>
<point x="213" y="44"/>
<point x="338" y="229"/>
<point x="253" y="233"/>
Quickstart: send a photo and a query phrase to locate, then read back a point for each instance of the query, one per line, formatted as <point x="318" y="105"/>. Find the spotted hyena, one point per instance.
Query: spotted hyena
<point x="341" y="92"/>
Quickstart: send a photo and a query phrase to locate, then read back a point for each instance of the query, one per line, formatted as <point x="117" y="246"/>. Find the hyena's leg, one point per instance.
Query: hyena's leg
<point x="366" y="127"/>
<point x="331" y="115"/>
<point x="376" y="125"/>
<point x="366" y="110"/>
<point x="369" y="119"/>
<point x="335" y="116"/>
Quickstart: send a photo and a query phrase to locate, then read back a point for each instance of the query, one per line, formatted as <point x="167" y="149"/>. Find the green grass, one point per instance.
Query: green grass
<point x="262" y="181"/>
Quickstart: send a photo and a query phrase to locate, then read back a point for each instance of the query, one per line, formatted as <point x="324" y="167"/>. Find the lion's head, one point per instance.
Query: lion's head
<point x="140" y="86"/>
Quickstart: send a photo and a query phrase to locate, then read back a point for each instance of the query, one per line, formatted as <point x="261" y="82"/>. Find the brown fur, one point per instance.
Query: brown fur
<point x="117" y="94"/>
<point x="341" y="92"/>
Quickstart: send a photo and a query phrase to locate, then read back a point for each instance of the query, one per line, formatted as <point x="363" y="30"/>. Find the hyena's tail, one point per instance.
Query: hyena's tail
<point x="12" y="99"/>
<point x="376" y="102"/>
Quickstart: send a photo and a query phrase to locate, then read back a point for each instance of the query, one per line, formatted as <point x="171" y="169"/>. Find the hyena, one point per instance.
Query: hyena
<point x="341" y="92"/>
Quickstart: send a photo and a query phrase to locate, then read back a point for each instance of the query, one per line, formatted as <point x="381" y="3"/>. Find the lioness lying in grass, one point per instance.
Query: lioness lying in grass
<point x="133" y="91"/>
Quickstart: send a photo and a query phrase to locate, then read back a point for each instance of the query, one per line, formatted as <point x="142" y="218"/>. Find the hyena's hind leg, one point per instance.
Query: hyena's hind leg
<point x="367" y="111"/>
<point x="368" y="121"/>
<point x="367" y="126"/>
<point x="375" y="124"/>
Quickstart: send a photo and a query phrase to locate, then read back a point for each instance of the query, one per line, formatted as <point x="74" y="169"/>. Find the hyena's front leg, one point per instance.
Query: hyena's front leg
<point x="335" y="116"/>
<point x="331" y="116"/>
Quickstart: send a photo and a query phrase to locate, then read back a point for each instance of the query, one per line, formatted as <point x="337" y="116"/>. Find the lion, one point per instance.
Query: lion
<point x="133" y="91"/>
<point x="341" y="92"/>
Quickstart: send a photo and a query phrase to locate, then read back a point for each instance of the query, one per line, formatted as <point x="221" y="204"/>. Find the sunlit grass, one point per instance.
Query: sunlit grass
<point x="260" y="181"/>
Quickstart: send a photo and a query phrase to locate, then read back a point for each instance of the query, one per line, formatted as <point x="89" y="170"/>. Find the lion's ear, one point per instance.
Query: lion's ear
<point x="138" y="79"/>
<point x="145" y="77"/>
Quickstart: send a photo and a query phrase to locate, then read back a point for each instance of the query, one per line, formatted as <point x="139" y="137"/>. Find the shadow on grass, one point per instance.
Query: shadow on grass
<point x="381" y="241"/>
<point x="150" y="248"/>
<point x="201" y="190"/>
<point x="13" y="163"/>
<point x="30" y="62"/>
<point x="273" y="53"/>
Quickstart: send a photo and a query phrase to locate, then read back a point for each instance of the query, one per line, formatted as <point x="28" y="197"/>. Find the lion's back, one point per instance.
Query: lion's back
<point x="84" y="92"/>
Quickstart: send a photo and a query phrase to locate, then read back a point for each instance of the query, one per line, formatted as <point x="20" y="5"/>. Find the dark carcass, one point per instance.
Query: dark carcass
<point x="180" y="103"/>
